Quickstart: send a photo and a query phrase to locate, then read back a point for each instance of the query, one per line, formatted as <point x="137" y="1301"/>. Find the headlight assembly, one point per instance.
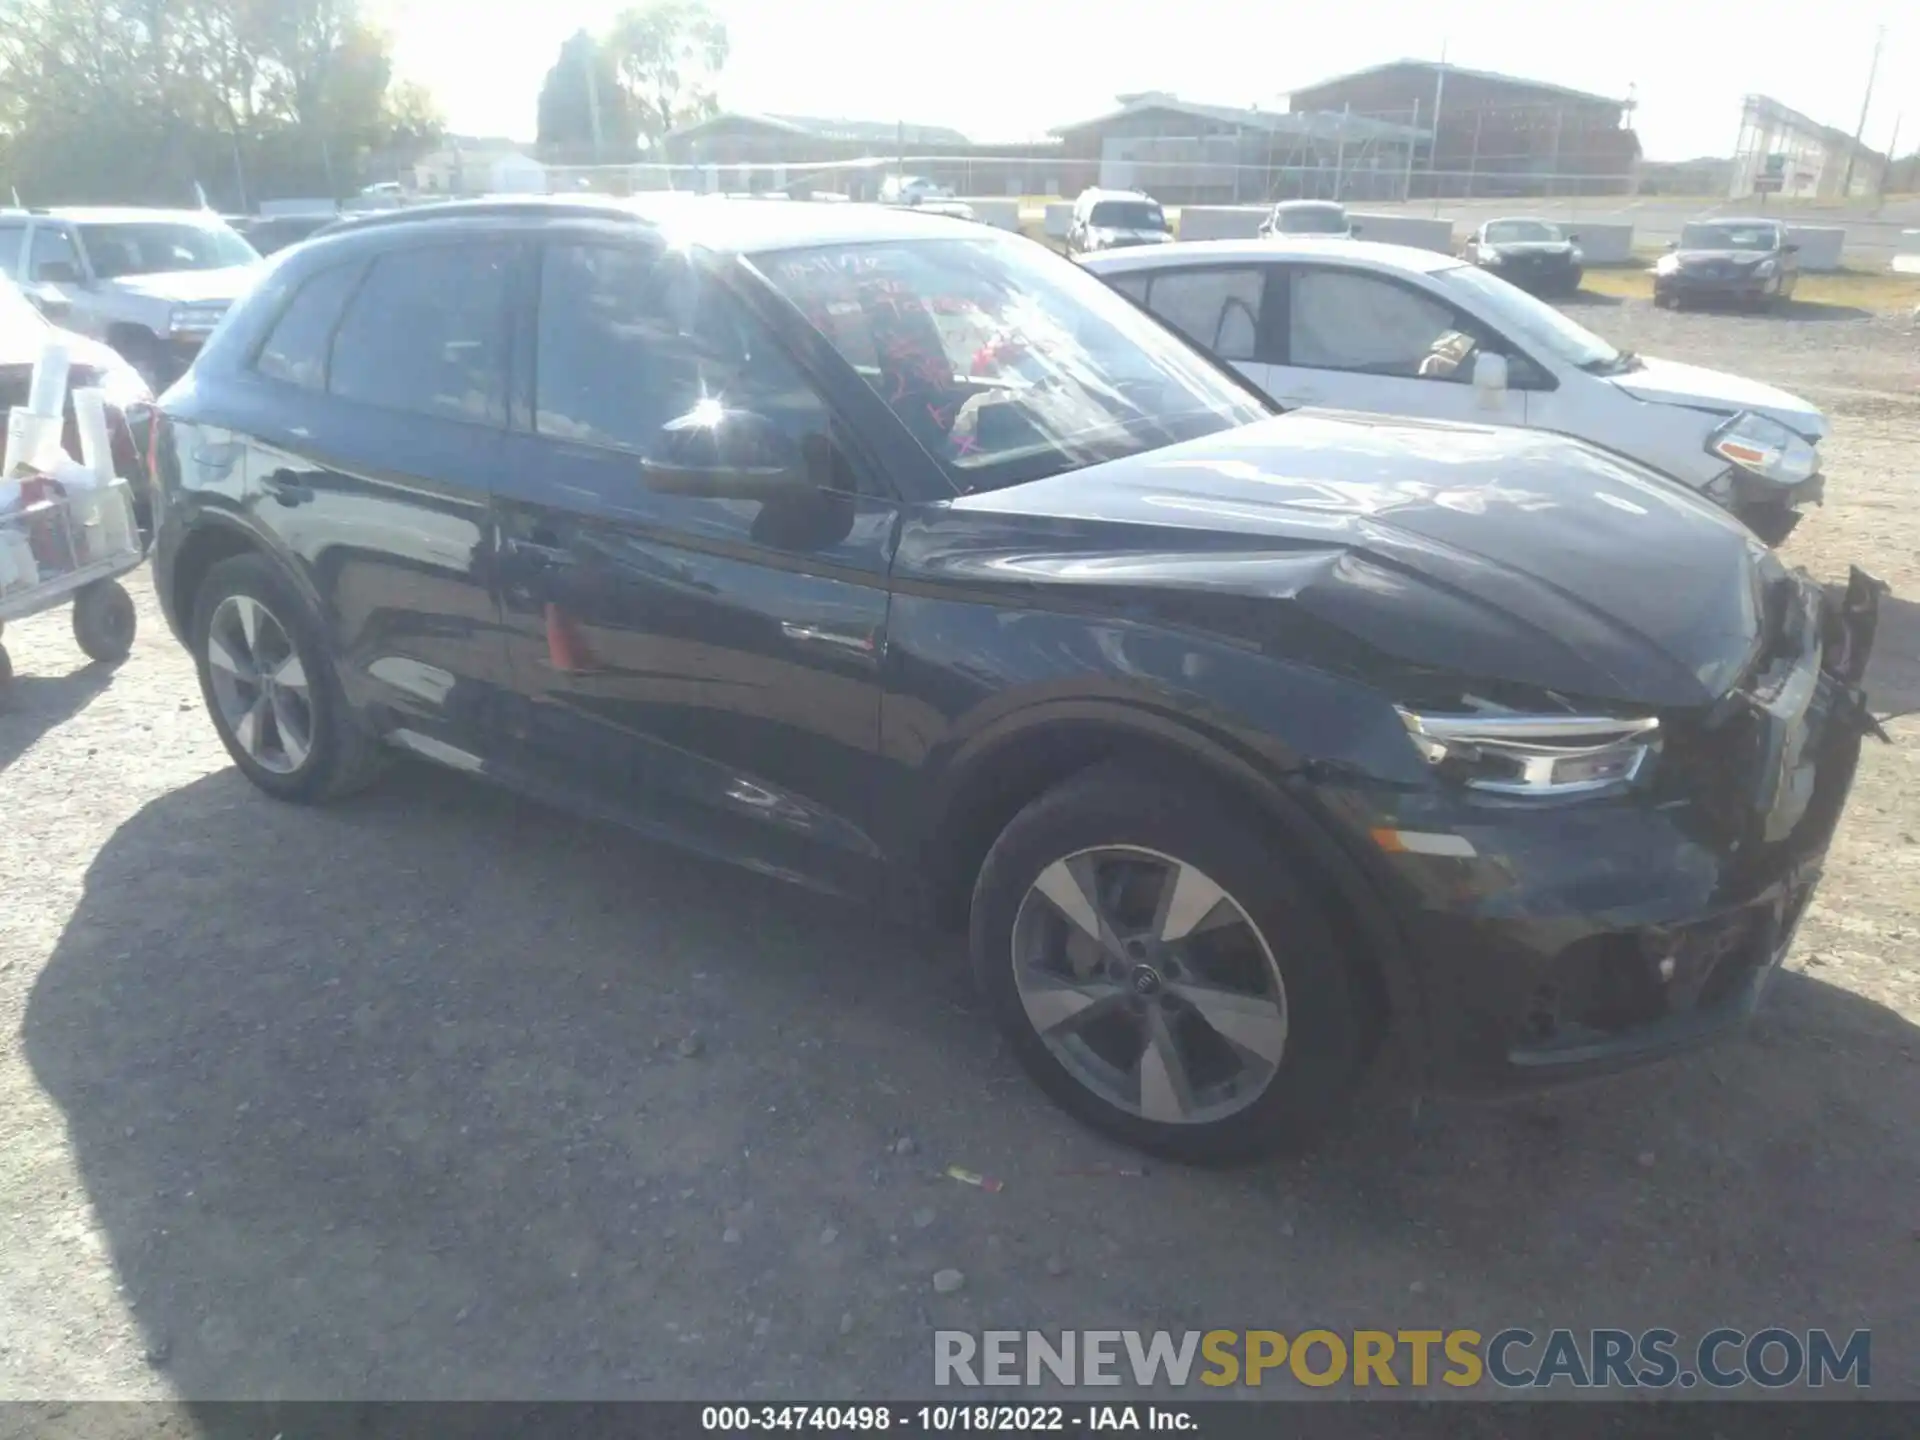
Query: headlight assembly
<point x="1666" y="265"/>
<point x="1764" y="270"/>
<point x="1765" y="448"/>
<point x="1544" y="756"/>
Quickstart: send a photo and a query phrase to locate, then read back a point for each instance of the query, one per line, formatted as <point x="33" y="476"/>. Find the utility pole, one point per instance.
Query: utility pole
<point x="1433" y="150"/>
<point x="1866" y="103"/>
<point x="589" y="59"/>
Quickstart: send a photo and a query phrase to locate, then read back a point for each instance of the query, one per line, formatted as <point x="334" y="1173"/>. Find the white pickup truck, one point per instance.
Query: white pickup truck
<point x="150" y="283"/>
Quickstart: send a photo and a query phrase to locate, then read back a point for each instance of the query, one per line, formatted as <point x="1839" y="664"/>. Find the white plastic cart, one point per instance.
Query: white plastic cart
<point x="72" y="547"/>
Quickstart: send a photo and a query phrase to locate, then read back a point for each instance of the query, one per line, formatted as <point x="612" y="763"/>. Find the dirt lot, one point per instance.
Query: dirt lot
<point x="438" y="1093"/>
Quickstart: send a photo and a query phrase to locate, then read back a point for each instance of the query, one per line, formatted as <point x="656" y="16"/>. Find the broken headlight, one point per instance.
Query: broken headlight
<point x="1765" y="448"/>
<point x="1534" y="755"/>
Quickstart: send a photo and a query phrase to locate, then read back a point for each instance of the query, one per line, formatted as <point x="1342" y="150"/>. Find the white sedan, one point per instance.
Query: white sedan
<point x="1354" y="325"/>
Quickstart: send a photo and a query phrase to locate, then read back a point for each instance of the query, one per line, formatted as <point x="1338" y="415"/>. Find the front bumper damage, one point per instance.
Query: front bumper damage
<point x="1584" y="937"/>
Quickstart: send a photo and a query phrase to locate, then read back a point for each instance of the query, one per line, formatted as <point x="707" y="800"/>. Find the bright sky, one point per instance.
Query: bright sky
<point x="1013" y="69"/>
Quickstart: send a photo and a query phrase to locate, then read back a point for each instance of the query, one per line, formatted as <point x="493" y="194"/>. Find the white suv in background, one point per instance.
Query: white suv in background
<point x="1354" y="325"/>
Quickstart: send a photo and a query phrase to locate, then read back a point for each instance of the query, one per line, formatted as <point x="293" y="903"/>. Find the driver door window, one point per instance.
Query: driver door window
<point x="1361" y="341"/>
<point x="52" y="247"/>
<point x="1343" y="320"/>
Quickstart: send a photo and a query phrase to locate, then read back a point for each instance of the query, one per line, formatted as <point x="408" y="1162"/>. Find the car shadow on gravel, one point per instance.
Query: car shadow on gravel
<point x="438" y="1093"/>
<point x="31" y="705"/>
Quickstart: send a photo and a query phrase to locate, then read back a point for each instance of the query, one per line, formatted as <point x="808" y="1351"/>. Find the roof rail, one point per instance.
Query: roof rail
<point x="478" y="210"/>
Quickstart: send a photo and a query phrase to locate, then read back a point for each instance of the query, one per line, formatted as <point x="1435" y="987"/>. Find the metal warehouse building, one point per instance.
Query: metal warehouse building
<point x="1184" y="153"/>
<point x="1494" y="135"/>
<point x="1782" y="152"/>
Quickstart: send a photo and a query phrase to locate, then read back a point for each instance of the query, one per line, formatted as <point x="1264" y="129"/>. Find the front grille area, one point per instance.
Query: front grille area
<point x="1609" y="985"/>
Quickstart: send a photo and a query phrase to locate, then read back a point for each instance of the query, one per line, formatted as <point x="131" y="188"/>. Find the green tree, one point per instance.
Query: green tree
<point x="668" y="56"/>
<point x="584" y="112"/>
<point x="137" y="100"/>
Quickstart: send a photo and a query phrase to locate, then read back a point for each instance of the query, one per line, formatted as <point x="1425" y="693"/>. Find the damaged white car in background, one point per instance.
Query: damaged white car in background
<point x="1353" y="325"/>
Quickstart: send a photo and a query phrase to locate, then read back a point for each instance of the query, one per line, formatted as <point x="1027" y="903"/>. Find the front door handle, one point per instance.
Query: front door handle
<point x="861" y="643"/>
<point x="541" y="553"/>
<point x="288" y="491"/>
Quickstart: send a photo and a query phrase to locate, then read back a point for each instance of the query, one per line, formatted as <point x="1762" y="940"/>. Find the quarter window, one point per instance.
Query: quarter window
<point x="51" y="247"/>
<point x="1340" y="320"/>
<point x="296" y="349"/>
<point x="1219" y="310"/>
<point x="427" y="333"/>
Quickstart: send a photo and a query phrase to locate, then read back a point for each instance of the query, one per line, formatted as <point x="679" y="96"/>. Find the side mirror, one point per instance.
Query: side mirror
<point x="724" y="454"/>
<point x="57" y="272"/>
<point x="1790" y="248"/>
<point x="1573" y="237"/>
<point x="1490" y="379"/>
<point x="1673" y="244"/>
<point x="1353" y="229"/>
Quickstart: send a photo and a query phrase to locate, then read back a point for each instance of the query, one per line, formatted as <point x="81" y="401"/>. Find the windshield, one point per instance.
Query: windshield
<point x="1312" y="220"/>
<point x="1127" y="215"/>
<point x="1520" y="232"/>
<point x="154" y="247"/>
<point x="1532" y="321"/>
<point x="1729" y="237"/>
<point x="17" y="312"/>
<point x="1006" y="363"/>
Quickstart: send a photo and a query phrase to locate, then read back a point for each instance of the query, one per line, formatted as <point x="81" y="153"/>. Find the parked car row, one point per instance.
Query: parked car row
<point x="896" y="556"/>
<point x="152" y="284"/>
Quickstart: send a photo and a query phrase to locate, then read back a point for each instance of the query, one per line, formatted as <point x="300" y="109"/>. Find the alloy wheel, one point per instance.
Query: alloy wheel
<point x="260" y="685"/>
<point x="1150" y="984"/>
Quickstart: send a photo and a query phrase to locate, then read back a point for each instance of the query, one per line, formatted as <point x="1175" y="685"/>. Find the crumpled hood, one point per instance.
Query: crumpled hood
<point x="191" y="287"/>
<point x="1477" y="552"/>
<point x="1668" y="382"/>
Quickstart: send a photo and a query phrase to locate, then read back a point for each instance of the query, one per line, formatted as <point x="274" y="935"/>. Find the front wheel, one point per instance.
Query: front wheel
<point x="1160" y="972"/>
<point x="269" y="685"/>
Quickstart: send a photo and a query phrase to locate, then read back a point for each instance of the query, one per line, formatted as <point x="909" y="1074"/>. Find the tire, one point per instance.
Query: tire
<point x="303" y="743"/>
<point x="104" y="621"/>
<point x="1120" y="825"/>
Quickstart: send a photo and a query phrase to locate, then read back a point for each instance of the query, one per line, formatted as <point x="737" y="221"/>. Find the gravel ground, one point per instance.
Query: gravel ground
<point x="437" y="1093"/>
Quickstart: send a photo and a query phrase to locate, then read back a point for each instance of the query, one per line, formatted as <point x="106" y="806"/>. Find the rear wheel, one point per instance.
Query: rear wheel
<point x="270" y="686"/>
<point x="1160" y="973"/>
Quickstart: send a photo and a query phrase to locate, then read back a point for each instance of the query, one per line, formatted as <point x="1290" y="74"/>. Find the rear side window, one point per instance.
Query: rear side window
<point x="427" y="332"/>
<point x="296" y="348"/>
<point x="1219" y="310"/>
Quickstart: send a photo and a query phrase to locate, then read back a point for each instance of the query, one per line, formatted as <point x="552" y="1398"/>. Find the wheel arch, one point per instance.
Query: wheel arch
<point x="997" y="774"/>
<point x="216" y="538"/>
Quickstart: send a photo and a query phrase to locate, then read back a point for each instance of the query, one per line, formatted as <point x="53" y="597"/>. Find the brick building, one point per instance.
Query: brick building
<point x="1495" y="134"/>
